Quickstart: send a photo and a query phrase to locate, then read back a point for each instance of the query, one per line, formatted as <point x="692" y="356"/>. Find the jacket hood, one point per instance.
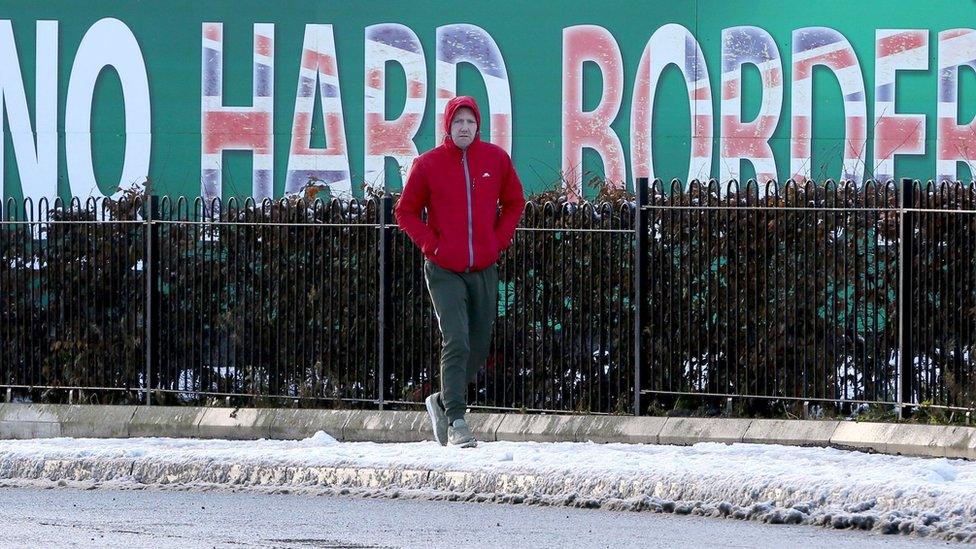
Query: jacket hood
<point x="452" y="106"/>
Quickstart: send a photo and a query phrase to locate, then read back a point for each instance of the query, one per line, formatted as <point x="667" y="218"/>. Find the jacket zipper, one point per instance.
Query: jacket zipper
<point x="467" y="188"/>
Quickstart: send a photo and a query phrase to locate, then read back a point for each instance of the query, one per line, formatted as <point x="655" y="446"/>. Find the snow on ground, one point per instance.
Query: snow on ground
<point x="831" y="487"/>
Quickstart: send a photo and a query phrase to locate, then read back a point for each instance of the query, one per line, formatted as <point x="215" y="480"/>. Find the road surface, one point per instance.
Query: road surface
<point x="65" y="517"/>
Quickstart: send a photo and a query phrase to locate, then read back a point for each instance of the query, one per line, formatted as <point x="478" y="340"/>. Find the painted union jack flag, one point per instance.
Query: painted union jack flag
<point x="472" y="44"/>
<point x="672" y="44"/>
<point x="237" y="128"/>
<point x="591" y="129"/>
<point x="318" y="74"/>
<point x="813" y="46"/>
<point x="749" y="140"/>
<point x="392" y="138"/>
<point x="896" y="133"/>
<point x="956" y="143"/>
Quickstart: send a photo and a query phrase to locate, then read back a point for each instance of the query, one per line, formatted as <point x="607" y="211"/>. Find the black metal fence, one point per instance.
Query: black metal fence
<point x="72" y="295"/>
<point x="802" y="292"/>
<point x="788" y="293"/>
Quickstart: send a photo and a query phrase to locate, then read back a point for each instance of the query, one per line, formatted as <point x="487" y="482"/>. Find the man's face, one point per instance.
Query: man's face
<point x="463" y="127"/>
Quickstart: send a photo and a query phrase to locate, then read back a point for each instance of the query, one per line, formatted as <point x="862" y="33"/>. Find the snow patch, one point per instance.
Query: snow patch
<point x="320" y="438"/>
<point x="774" y="484"/>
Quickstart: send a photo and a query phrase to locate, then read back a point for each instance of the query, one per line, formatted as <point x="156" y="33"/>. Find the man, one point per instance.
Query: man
<point x="461" y="183"/>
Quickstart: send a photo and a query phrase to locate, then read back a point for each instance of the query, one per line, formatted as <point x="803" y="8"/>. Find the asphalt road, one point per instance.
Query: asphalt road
<point x="64" y="517"/>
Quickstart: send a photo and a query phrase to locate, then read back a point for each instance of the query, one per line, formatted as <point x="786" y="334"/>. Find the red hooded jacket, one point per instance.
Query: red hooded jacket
<point x="464" y="232"/>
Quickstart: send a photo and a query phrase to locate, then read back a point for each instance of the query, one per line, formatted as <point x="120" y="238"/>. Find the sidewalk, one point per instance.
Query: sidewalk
<point x="20" y="421"/>
<point x="769" y="483"/>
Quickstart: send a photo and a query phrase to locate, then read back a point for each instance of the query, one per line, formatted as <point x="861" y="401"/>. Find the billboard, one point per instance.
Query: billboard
<point x="251" y="98"/>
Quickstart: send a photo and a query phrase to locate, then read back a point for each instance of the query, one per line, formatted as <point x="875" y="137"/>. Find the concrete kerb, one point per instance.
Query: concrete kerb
<point x="539" y="428"/>
<point x="21" y="421"/>
<point x="626" y="429"/>
<point x="84" y="421"/>
<point x="790" y="432"/>
<point x="387" y="426"/>
<point x="485" y="426"/>
<point x="43" y="421"/>
<point x="863" y="436"/>
<point x="926" y="440"/>
<point x="235" y="423"/>
<point x="688" y="430"/>
<point x="964" y="445"/>
<point x="299" y="423"/>
<point x="639" y="430"/>
<point x="165" y="421"/>
<point x="409" y="426"/>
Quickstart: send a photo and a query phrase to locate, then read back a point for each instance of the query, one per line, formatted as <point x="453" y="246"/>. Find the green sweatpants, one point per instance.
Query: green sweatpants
<point x="466" y="305"/>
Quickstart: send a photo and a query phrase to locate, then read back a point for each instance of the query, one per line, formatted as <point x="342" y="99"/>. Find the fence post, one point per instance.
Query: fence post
<point x="384" y="356"/>
<point x="906" y="359"/>
<point x="640" y="285"/>
<point x="152" y="293"/>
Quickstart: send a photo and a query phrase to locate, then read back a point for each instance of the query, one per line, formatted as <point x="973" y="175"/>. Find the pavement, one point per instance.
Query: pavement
<point x="20" y="421"/>
<point x="889" y="478"/>
<point x="65" y="517"/>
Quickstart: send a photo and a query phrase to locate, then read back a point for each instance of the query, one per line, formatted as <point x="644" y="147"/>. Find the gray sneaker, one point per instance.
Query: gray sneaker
<point x="438" y="418"/>
<point x="459" y="434"/>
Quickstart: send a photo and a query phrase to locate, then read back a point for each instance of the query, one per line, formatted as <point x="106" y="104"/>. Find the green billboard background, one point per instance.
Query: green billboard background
<point x="529" y="36"/>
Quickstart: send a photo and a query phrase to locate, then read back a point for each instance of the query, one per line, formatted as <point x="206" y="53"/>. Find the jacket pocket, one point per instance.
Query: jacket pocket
<point x="447" y="254"/>
<point x="491" y="249"/>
